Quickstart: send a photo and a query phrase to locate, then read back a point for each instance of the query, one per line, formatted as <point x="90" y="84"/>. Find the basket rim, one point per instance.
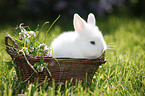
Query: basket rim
<point x="30" y="57"/>
<point x="101" y="57"/>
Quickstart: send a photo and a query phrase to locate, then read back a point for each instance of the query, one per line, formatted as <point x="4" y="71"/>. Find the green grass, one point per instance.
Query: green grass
<point x="123" y="73"/>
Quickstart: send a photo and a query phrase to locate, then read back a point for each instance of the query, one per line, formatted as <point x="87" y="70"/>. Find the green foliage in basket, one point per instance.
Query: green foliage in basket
<point x="29" y="44"/>
<point x="28" y="40"/>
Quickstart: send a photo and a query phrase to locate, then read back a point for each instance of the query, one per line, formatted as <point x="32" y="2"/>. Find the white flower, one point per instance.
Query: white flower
<point x="46" y="49"/>
<point x="20" y="35"/>
<point x="40" y="68"/>
<point x="100" y="66"/>
<point x="94" y="77"/>
<point x="32" y="34"/>
<point x="32" y="48"/>
<point x="23" y="30"/>
<point x="43" y="47"/>
<point x="23" y="34"/>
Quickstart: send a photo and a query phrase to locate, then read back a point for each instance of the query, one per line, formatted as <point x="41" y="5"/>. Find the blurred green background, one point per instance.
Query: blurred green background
<point x="16" y="11"/>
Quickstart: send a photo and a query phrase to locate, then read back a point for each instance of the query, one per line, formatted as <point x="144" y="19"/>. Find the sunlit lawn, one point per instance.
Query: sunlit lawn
<point x="122" y="74"/>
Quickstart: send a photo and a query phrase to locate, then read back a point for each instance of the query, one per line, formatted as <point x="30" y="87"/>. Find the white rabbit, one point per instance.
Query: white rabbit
<point x="85" y="42"/>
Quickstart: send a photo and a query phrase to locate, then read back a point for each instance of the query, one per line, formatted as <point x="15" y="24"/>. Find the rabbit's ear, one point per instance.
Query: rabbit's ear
<point x="91" y="19"/>
<point x="79" y="23"/>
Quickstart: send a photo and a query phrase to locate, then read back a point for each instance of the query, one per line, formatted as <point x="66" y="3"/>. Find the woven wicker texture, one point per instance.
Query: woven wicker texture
<point x="61" y="69"/>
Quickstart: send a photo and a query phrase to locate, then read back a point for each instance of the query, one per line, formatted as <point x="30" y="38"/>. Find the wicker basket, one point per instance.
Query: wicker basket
<point x="61" y="69"/>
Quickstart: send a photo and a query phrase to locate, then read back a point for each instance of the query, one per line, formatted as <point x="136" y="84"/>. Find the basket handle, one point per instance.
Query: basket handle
<point x="12" y="40"/>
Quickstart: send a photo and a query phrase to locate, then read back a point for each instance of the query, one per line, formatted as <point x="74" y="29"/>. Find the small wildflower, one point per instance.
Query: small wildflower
<point x="43" y="47"/>
<point x="31" y="49"/>
<point x="46" y="49"/>
<point x="40" y="68"/>
<point x="94" y="77"/>
<point x="24" y="34"/>
<point x="31" y="43"/>
<point x="100" y="66"/>
<point x="31" y="34"/>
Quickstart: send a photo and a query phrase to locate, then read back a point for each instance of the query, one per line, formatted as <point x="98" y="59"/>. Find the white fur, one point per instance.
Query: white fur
<point x="76" y="44"/>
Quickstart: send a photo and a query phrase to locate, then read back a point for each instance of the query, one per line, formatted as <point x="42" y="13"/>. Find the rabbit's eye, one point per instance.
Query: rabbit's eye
<point x="92" y="42"/>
